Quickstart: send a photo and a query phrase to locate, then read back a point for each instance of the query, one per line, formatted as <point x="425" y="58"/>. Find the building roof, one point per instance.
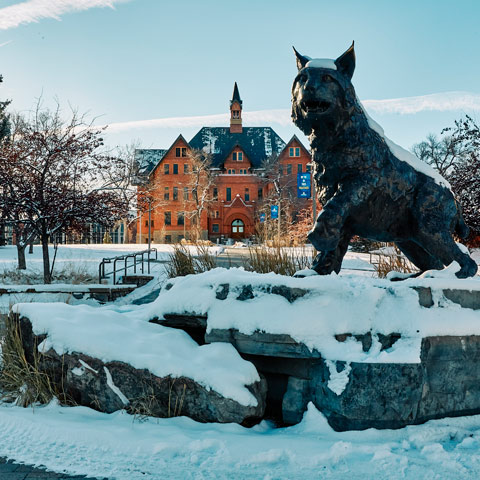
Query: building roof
<point x="147" y="159"/>
<point x="258" y="143"/>
<point x="236" y="95"/>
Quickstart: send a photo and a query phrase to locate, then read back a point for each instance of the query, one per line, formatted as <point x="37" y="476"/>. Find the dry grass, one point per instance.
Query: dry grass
<point x="265" y="260"/>
<point x="71" y="273"/>
<point x="21" y="380"/>
<point x="148" y="404"/>
<point x="392" y="262"/>
<point x="182" y="262"/>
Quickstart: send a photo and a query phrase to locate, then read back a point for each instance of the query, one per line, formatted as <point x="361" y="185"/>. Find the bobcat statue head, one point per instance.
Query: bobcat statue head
<point x="323" y="98"/>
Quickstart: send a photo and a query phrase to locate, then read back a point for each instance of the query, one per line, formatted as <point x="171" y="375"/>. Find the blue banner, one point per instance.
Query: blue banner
<point x="304" y="187"/>
<point x="263" y="216"/>
<point x="274" y="211"/>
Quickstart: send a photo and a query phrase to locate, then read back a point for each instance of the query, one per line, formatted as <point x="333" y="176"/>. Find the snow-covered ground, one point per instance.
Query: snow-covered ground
<point x="117" y="446"/>
<point x="82" y="259"/>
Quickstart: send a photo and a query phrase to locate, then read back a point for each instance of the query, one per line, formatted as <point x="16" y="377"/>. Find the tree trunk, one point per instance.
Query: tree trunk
<point x="47" y="278"/>
<point x="22" y="264"/>
<point x="30" y="248"/>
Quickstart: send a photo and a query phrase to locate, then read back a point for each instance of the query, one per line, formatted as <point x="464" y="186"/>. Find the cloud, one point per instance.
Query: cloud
<point x="448" y="101"/>
<point x="35" y="10"/>
<point x="5" y="43"/>
<point x="440" y="102"/>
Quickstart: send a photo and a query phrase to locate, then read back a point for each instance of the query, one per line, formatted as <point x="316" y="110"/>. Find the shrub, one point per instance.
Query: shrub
<point x="282" y="261"/>
<point x="182" y="262"/>
<point x="391" y="260"/>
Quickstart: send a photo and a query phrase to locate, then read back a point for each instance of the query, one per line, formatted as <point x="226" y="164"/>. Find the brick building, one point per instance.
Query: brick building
<point x="249" y="169"/>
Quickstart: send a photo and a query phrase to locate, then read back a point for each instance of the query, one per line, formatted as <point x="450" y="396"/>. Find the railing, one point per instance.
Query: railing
<point x="138" y="259"/>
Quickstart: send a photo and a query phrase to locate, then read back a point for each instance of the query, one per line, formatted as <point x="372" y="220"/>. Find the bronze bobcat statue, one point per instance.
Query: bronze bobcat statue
<point x="367" y="185"/>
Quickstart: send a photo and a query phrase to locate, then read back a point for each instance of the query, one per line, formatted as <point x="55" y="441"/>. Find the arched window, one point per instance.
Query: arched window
<point x="238" y="226"/>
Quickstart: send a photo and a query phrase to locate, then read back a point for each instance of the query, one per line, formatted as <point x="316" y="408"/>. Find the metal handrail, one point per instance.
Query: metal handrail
<point x="126" y="266"/>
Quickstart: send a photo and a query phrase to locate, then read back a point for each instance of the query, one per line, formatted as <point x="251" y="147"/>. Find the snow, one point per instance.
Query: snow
<point x="114" y="388"/>
<point x="338" y="381"/>
<point x="341" y="304"/>
<point x="321" y="63"/>
<point x="81" y="441"/>
<point x="122" y="334"/>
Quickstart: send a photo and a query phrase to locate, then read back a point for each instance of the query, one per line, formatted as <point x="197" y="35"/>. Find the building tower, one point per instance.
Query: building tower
<point x="236" y="111"/>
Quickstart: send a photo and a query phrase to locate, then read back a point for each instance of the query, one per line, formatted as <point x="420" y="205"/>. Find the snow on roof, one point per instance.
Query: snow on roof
<point x="123" y="334"/>
<point x="321" y="63"/>
<point x="148" y="159"/>
<point x="257" y="142"/>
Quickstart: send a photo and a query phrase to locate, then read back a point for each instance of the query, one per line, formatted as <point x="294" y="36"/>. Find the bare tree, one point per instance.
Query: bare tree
<point x="442" y="154"/>
<point x="457" y="157"/>
<point x="200" y="182"/>
<point x="55" y="176"/>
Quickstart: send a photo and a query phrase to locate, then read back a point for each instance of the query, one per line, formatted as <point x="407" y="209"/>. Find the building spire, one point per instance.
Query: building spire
<point x="236" y="95"/>
<point x="236" y="111"/>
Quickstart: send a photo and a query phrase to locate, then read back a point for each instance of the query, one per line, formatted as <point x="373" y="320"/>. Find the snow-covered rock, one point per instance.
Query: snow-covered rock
<point x="139" y="367"/>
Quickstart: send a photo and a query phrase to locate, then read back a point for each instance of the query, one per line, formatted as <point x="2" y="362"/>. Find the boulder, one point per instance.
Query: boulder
<point x="111" y="386"/>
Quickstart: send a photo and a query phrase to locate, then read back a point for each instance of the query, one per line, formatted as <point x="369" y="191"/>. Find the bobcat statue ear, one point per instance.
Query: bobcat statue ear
<point x="346" y="62"/>
<point x="301" y="60"/>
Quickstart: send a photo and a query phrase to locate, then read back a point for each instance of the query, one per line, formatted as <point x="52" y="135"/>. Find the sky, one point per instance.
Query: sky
<point x="152" y="69"/>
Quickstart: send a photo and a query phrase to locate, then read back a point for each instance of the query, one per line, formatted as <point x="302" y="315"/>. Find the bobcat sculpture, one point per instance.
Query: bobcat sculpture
<point x="369" y="186"/>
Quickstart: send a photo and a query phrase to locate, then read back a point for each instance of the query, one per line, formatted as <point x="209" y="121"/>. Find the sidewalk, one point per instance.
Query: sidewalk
<point x="14" y="471"/>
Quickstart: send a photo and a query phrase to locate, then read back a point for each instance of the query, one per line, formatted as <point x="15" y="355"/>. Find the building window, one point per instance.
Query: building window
<point x="260" y="193"/>
<point x="185" y="193"/>
<point x="168" y="218"/>
<point x="146" y="223"/>
<point x="180" y="218"/>
<point x="181" y="152"/>
<point x="175" y="193"/>
<point x="231" y="171"/>
<point x="236" y="113"/>
<point x="166" y="169"/>
<point x="309" y="167"/>
<point x="247" y="195"/>
<point x="168" y="239"/>
<point x="299" y="168"/>
<point x="289" y="169"/>
<point x="217" y="214"/>
<point x="229" y="194"/>
<point x="185" y="168"/>
<point x="294" y="152"/>
<point x="215" y="193"/>
<point x="152" y="224"/>
<point x="175" y="168"/>
<point x="215" y="227"/>
<point x="166" y="194"/>
<point x="234" y="156"/>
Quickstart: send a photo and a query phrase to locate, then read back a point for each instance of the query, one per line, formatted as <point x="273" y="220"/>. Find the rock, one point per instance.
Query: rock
<point x="111" y="386"/>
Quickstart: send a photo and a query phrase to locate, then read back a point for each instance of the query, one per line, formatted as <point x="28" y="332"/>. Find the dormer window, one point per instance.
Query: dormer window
<point x="181" y="151"/>
<point x="294" y="152"/>
<point x="236" y="113"/>
<point x="237" y="156"/>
